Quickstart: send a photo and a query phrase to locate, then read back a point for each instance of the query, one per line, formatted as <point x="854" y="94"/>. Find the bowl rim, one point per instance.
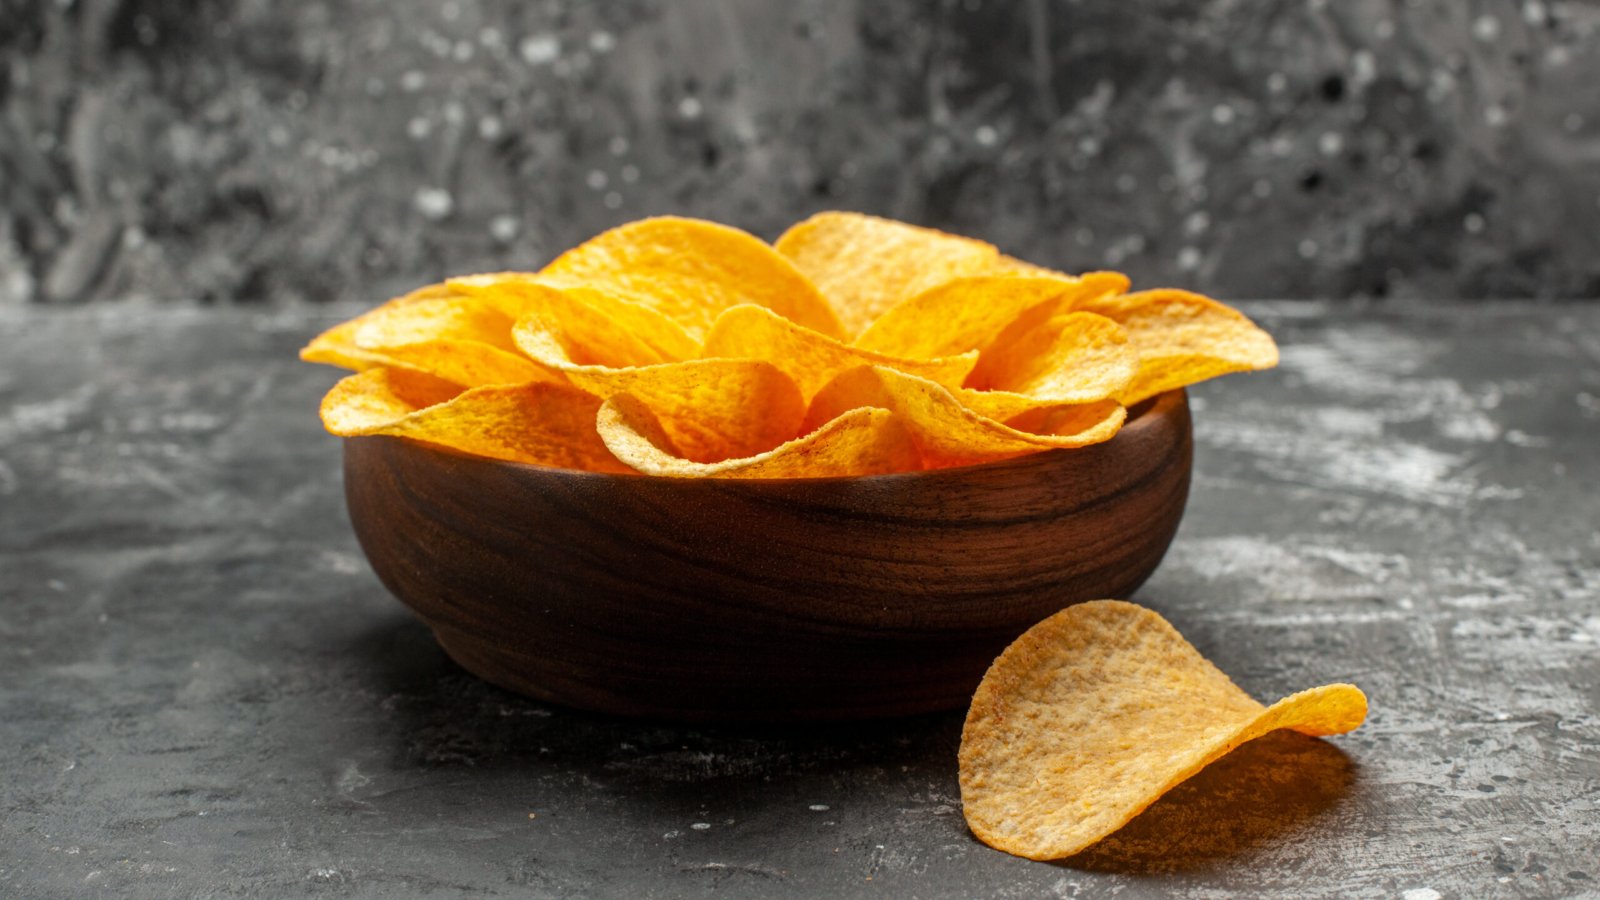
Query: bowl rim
<point x="1140" y="417"/>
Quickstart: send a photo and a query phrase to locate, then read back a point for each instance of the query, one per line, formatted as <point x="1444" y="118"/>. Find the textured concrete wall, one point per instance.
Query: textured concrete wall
<point x="249" y="150"/>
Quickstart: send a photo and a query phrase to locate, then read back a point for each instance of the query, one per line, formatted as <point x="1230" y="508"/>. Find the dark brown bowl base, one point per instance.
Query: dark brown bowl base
<point x="761" y="600"/>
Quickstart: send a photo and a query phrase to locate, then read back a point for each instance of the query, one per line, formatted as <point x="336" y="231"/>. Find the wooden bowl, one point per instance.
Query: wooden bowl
<point x="761" y="599"/>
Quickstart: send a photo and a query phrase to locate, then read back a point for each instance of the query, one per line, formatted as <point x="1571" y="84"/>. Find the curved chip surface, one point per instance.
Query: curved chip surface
<point x="1094" y="713"/>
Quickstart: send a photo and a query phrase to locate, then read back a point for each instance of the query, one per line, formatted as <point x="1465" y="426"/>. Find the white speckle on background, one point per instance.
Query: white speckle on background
<point x="434" y="203"/>
<point x="539" y="49"/>
<point x="503" y="228"/>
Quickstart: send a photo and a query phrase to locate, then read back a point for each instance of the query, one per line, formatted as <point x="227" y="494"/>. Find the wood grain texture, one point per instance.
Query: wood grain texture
<point x="761" y="599"/>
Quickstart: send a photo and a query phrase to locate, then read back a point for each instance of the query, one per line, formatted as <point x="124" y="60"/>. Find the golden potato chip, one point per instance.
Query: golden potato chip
<point x="1072" y="358"/>
<point x="458" y="338"/>
<point x="811" y="359"/>
<point x="337" y="345"/>
<point x="1010" y="265"/>
<point x="865" y="265"/>
<point x="607" y="329"/>
<point x="1183" y="338"/>
<point x="714" y="409"/>
<point x="970" y="313"/>
<point x="949" y="434"/>
<point x="690" y="271"/>
<point x="542" y="423"/>
<point x="1096" y="712"/>
<point x="860" y="442"/>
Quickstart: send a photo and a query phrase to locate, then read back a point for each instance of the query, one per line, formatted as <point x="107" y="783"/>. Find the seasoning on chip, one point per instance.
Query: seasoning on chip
<point x="1184" y="338"/>
<point x="337" y="345"/>
<point x="1076" y="357"/>
<point x="1096" y="712"/>
<point x="611" y="330"/>
<point x="691" y="270"/>
<point x="865" y="265"/>
<point x="540" y="423"/>
<point x="864" y="441"/>
<point x="949" y="434"/>
<point x="812" y="359"/>
<point x="855" y="345"/>
<point x="714" y="409"/>
<point x="455" y="337"/>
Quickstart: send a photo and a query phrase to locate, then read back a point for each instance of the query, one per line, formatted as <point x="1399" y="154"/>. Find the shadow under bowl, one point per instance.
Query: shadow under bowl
<point x="761" y="599"/>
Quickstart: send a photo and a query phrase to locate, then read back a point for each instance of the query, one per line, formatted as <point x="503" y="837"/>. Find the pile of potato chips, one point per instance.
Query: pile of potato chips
<point x="853" y="346"/>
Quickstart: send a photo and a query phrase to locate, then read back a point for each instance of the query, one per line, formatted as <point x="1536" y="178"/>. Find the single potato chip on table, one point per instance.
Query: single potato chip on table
<point x="1097" y="711"/>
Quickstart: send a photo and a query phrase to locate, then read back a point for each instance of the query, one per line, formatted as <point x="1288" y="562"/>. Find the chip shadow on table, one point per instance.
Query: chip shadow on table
<point x="1259" y="795"/>
<point x="442" y="715"/>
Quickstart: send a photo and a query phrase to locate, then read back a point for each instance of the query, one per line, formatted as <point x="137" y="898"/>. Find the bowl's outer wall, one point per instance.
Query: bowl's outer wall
<point x="761" y="600"/>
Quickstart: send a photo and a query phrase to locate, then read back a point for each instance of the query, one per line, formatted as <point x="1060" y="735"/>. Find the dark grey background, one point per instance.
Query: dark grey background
<point x="240" y="151"/>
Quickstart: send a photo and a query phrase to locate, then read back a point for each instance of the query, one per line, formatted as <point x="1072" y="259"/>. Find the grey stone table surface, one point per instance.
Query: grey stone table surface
<point x="205" y="692"/>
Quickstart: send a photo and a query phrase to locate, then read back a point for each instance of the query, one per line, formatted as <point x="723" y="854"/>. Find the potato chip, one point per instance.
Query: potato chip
<point x="866" y="265"/>
<point x="690" y="271"/>
<point x="949" y="434"/>
<point x="542" y="423"/>
<point x="610" y="330"/>
<point x="860" y="442"/>
<point x="714" y="409"/>
<point x="1010" y="265"/>
<point x="1183" y="338"/>
<point x="337" y="346"/>
<point x="457" y="337"/>
<point x="811" y="359"/>
<point x="1096" y="712"/>
<point x="970" y="313"/>
<point x="1072" y="358"/>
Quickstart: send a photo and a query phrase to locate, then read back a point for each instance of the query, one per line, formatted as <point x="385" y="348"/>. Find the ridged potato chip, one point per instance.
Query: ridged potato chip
<point x="607" y="329"/>
<point x="690" y="271"/>
<point x="969" y="313"/>
<point x="1074" y="357"/>
<point x="542" y="423"/>
<point x="949" y="434"/>
<point x="811" y="359"/>
<point x="1183" y="338"/>
<point x="866" y="265"/>
<point x="861" y="442"/>
<point x="1096" y="712"/>
<point x="714" y="409"/>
